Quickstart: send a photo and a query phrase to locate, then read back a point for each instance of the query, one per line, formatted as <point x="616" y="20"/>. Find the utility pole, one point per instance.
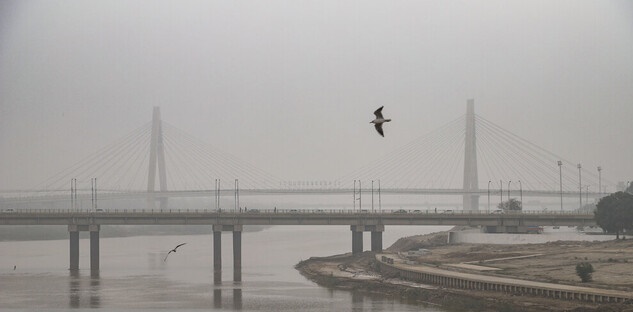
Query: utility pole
<point x="379" y="201"/>
<point x="599" y="181"/>
<point x="501" y="192"/>
<point x="489" y="196"/>
<point x="560" y="170"/>
<point x="580" y="185"/>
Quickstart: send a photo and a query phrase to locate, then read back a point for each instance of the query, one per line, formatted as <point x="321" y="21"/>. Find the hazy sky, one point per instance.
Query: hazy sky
<point x="290" y="86"/>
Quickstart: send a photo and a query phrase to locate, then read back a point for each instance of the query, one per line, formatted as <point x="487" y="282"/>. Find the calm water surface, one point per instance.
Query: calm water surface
<point x="134" y="276"/>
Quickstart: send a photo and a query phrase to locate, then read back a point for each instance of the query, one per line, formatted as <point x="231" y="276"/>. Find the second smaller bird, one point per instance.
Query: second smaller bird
<point x="173" y="250"/>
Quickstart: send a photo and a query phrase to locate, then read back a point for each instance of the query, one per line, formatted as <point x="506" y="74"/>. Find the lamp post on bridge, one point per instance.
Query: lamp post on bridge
<point x="489" y="196"/>
<point x="509" y="190"/>
<point x="354" y="195"/>
<point x="237" y="207"/>
<point x="560" y="171"/>
<point x="379" y="201"/>
<point x="580" y="184"/>
<point x="521" y="193"/>
<point x="359" y="195"/>
<point x="501" y="192"/>
<point x="599" y="181"/>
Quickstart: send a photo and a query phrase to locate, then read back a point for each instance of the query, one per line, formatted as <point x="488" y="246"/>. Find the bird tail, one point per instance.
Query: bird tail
<point x="387" y="120"/>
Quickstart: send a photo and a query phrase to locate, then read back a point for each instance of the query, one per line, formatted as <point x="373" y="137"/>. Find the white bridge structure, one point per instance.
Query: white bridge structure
<point x="451" y="161"/>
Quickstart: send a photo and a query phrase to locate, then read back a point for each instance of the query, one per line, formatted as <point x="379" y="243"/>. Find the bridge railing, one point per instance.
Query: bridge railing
<point x="412" y="212"/>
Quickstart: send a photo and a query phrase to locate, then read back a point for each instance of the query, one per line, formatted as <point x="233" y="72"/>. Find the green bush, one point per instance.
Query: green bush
<point x="584" y="270"/>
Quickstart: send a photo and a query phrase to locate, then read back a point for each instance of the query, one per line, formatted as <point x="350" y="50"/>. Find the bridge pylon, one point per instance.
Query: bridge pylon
<point x="157" y="160"/>
<point x="471" y="184"/>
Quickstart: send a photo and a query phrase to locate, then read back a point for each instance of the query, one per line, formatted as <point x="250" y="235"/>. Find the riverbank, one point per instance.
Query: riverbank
<point x="552" y="262"/>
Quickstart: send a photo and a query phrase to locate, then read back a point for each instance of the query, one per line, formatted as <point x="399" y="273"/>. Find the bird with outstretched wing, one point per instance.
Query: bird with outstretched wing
<point x="379" y="121"/>
<point x="173" y="250"/>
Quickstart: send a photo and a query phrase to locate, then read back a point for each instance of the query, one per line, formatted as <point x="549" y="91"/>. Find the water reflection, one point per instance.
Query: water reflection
<point x="217" y="298"/>
<point x="77" y="293"/>
<point x="358" y="301"/>
<point x="236" y="300"/>
<point x="75" y="288"/>
<point x="95" y="290"/>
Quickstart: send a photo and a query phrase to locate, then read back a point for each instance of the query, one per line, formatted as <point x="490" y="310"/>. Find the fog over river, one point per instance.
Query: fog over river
<point x="134" y="276"/>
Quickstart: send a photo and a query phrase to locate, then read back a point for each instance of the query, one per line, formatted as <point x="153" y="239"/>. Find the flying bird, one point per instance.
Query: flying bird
<point x="379" y="121"/>
<point x="173" y="250"/>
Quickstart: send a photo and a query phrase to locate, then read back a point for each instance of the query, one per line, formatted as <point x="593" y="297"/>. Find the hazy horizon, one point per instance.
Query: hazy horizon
<point x="290" y="87"/>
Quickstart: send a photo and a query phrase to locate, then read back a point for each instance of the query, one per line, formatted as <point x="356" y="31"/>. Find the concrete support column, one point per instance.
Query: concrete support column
<point x="237" y="253"/>
<point x="217" y="255"/>
<point x="357" y="238"/>
<point x="376" y="237"/>
<point x="94" y="248"/>
<point x="74" y="247"/>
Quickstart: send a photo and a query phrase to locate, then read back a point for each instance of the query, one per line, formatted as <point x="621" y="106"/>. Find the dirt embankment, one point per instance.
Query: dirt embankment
<point x="551" y="262"/>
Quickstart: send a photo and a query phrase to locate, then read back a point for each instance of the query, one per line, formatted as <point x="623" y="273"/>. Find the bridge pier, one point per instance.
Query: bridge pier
<point x="217" y="252"/>
<point x="357" y="237"/>
<point x="73" y="231"/>
<point x="94" y="249"/>
<point x="376" y="238"/>
<point x="74" y="249"/>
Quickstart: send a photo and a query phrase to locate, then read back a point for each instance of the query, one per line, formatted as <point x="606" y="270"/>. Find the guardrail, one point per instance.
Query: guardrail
<point x="296" y="211"/>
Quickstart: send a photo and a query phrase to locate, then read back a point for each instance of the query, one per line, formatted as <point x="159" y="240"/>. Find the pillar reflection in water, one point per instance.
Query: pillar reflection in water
<point x="95" y="289"/>
<point x="77" y="287"/>
<point x="358" y="301"/>
<point x="74" y="289"/>
<point x="217" y="298"/>
<point x="237" y="298"/>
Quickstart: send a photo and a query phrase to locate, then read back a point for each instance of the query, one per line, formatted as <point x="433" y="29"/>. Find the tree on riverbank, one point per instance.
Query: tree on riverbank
<point x="584" y="270"/>
<point x="614" y="213"/>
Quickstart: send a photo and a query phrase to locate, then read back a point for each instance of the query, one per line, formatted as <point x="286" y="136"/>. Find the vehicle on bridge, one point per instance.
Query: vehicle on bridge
<point x="533" y="229"/>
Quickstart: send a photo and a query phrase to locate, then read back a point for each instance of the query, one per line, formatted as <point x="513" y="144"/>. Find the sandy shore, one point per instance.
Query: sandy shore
<point x="552" y="262"/>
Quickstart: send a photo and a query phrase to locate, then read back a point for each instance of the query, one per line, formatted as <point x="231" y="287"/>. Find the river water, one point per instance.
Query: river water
<point x="133" y="274"/>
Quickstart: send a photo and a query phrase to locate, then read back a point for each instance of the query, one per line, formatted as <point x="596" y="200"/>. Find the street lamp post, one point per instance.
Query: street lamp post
<point x="509" y="191"/>
<point x="580" y="184"/>
<point x="599" y="181"/>
<point x="354" y="195"/>
<point x="360" y="196"/>
<point x="560" y="171"/>
<point x="501" y="192"/>
<point x="489" y="196"/>
<point x="379" y="200"/>
<point x="521" y="193"/>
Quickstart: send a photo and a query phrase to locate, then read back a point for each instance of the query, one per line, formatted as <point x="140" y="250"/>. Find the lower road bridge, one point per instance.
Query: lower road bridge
<point x="234" y="221"/>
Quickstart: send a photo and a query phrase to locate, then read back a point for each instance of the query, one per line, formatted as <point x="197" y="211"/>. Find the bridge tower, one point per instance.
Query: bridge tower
<point x="157" y="160"/>
<point x="471" y="184"/>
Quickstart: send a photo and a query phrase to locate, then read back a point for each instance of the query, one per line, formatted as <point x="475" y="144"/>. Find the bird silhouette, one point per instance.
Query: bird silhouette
<point x="173" y="250"/>
<point x="379" y="121"/>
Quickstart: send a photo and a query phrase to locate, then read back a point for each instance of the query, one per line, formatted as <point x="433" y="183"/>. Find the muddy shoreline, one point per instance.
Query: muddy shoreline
<point x="360" y="273"/>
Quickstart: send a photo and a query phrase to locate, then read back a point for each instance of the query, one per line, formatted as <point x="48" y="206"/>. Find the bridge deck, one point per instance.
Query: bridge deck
<point x="292" y="217"/>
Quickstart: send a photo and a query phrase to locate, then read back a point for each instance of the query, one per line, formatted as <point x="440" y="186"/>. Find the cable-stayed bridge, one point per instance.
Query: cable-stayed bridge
<point x="469" y="157"/>
<point x="157" y="162"/>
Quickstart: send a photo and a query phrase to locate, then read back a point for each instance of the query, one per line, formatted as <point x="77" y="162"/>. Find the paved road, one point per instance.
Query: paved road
<point x="399" y="263"/>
